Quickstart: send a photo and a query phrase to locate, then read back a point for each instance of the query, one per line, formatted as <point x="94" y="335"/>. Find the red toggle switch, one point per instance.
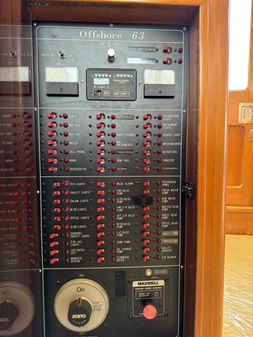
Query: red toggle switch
<point x="146" y="233"/>
<point x="146" y="208"/>
<point x="53" y="244"/>
<point x="28" y="134"/>
<point x="146" y="183"/>
<point x="146" y="160"/>
<point x="100" y="235"/>
<point x="56" y="193"/>
<point x="150" y="311"/>
<point x="100" y="134"/>
<point x="100" y="243"/>
<point x="100" y="116"/>
<point x="101" y="152"/>
<point x="52" y="151"/>
<point x="52" y="142"/>
<point x="100" y="192"/>
<point x="146" y="250"/>
<point x="57" y="218"/>
<point x="147" y="117"/>
<point x="146" y="216"/>
<point x="27" y="115"/>
<point x="100" y="184"/>
<point x="57" y="227"/>
<point x="167" y="60"/>
<point x="146" y="242"/>
<point x="57" y="201"/>
<point x="146" y="169"/>
<point x="57" y="210"/>
<point x="147" y="126"/>
<point x="100" y="217"/>
<point x="147" y="152"/>
<point x="100" y="201"/>
<point x="167" y="50"/>
<point x="53" y="261"/>
<point x="100" y="125"/>
<point x="52" y="133"/>
<point x="28" y="142"/>
<point x="100" y="259"/>
<point x="52" y="124"/>
<point x="147" y="134"/>
<point x="52" y="160"/>
<point x="146" y="225"/>
<point x="54" y="252"/>
<point x="53" y="235"/>
<point x="100" y="209"/>
<point x="28" y="152"/>
<point x="147" y="143"/>
<point x="51" y="115"/>
<point x="100" y="226"/>
<point x="100" y="169"/>
<point x="146" y="258"/>
<point x="100" y="160"/>
<point x="27" y="125"/>
<point x="52" y="169"/>
<point x="146" y="192"/>
<point x="100" y="251"/>
<point x="100" y="143"/>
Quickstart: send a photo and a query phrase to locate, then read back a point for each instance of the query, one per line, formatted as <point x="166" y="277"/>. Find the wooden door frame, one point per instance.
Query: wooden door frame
<point x="210" y="61"/>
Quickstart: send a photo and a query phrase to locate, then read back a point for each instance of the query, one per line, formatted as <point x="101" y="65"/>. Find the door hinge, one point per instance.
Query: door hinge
<point x="188" y="190"/>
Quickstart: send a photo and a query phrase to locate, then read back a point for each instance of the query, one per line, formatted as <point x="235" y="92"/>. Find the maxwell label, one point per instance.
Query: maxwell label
<point x="153" y="283"/>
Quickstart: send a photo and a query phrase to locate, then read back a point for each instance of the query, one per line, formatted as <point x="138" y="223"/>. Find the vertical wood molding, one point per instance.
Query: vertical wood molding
<point x="211" y="167"/>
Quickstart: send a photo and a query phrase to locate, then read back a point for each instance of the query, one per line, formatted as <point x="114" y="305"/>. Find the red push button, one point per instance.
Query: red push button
<point x="150" y="311"/>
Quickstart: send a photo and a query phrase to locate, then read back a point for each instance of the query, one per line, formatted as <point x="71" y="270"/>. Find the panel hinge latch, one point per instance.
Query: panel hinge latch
<point x="188" y="190"/>
<point x="38" y="3"/>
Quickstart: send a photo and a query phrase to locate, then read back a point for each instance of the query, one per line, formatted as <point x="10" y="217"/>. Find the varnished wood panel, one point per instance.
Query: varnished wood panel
<point x="235" y="162"/>
<point x="239" y="198"/>
<point x="212" y="142"/>
<point x="132" y="13"/>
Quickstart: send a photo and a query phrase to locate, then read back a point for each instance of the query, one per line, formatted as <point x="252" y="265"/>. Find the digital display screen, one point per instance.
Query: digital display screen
<point x="101" y="81"/>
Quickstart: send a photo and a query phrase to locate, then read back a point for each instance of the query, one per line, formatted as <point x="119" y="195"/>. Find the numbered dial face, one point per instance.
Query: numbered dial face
<point x="81" y="305"/>
<point x="16" y="308"/>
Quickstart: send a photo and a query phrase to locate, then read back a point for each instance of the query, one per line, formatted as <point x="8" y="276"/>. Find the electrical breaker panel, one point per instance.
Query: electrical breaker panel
<point x="92" y="226"/>
<point x="111" y="118"/>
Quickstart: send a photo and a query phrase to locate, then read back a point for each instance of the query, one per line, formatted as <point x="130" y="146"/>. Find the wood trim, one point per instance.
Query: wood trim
<point x="129" y="3"/>
<point x="211" y="167"/>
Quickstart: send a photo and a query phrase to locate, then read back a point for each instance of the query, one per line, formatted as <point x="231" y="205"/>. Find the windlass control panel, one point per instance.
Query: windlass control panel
<point x="111" y="126"/>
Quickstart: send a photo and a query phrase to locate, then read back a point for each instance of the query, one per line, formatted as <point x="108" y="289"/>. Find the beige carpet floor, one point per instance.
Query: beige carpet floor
<point x="238" y="298"/>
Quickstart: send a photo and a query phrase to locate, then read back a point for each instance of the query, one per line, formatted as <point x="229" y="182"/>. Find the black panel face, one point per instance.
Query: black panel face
<point x="111" y="124"/>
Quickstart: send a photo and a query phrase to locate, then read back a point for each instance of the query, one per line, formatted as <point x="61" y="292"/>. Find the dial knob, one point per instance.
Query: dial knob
<point x="8" y="314"/>
<point x="16" y="308"/>
<point x="149" y="311"/>
<point x="79" y="312"/>
<point x="81" y="305"/>
<point x="111" y="55"/>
